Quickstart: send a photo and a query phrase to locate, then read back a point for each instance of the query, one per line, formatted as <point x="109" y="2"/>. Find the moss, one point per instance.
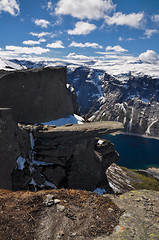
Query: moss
<point x="142" y="179"/>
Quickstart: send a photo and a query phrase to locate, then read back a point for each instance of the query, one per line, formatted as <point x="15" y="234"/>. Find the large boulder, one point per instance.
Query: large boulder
<point x="36" y="96"/>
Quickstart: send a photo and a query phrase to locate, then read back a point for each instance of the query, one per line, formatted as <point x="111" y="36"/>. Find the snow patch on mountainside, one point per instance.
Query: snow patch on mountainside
<point x="75" y="119"/>
<point x="9" y="66"/>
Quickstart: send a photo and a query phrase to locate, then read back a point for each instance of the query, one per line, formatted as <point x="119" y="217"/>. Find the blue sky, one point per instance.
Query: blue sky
<point x="79" y="29"/>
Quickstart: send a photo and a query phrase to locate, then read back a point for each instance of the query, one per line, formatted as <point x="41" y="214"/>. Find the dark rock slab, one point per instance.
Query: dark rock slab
<point x="38" y="95"/>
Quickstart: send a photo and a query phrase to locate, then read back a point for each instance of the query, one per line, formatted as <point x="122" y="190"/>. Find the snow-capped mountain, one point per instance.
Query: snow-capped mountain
<point x="9" y="65"/>
<point x="125" y="91"/>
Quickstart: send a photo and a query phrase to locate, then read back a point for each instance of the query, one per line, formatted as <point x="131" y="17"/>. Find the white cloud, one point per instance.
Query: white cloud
<point x="155" y="18"/>
<point x="10" y="6"/>
<point x="83" y="45"/>
<point x="50" y="6"/>
<point x="117" y="48"/>
<point x="39" y="35"/>
<point x="32" y="42"/>
<point x="82" y="28"/>
<point x="27" y="50"/>
<point x="130" y="39"/>
<point x="120" y="39"/>
<point x="150" y="32"/>
<point x="42" y="23"/>
<point x="78" y="57"/>
<point x="149" y="56"/>
<point x="134" y="20"/>
<point x="84" y="9"/>
<point x="127" y="39"/>
<point x="57" y="44"/>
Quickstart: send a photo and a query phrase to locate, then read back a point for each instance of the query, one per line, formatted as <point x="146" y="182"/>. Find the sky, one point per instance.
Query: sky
<point x="80" y="29"/>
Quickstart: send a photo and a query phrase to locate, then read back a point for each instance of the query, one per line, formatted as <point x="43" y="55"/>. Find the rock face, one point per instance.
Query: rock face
<point x="88" y="85"/>
<point x="9" y="148"/>
<point x="134" y="101"/>
<point x="37" y="157"/>
<point x="65" y="157"/>
<point x="36" y="96"/>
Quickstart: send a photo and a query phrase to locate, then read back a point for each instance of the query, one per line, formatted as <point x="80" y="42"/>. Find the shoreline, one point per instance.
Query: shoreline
<point x="154" y="171"/>
<point x="134" y="134"/>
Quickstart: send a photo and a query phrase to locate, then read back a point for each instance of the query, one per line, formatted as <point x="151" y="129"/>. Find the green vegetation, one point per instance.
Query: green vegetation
<point x="142" y="179"/>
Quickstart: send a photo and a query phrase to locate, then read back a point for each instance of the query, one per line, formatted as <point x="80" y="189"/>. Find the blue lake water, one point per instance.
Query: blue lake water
<point x="136" y="152"/>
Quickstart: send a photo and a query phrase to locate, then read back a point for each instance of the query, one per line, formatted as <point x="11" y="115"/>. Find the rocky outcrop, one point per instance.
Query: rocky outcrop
<point x="9" y="148"/>
<point x="69" y="156"/>
<point x="140" y="217"/>
<point x="65" y="157"/>
<point x="36" y="96"/>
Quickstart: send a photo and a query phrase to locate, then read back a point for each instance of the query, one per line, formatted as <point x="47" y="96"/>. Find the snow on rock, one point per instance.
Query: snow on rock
<point x="40" y="163"/>
<point x="50" y="184"/>
<point x="149" y="127"/>
<point x="9" y="66"/>
<point x="21" y="161"/>
<point x="75" y="119"/>
<point x="100" y="142"/>
<point x="33" y="182"/>
<point x="31" y="141"/>
<point x="70" y="87"/>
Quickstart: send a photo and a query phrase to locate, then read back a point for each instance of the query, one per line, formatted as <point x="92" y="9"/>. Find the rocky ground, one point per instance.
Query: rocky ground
<point x="140" y="219"/>
<point x="75" y="214"/>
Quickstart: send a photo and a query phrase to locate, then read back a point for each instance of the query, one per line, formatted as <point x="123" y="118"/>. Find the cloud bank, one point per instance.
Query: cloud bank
<point x="57" y="44"/>
<point x="117" y="48"/>
<point x="42" y="23"/>
<point x="134" y="20"/>
<point x="149" y="56"/>
<point x="84" y="45"/>
<point x="84" y="9"/>
<point x="27" y="50"/>
<point x="10" y="6"/>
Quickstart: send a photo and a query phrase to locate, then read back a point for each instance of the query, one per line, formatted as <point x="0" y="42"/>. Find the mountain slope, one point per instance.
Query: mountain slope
<point x="125" y="91"/>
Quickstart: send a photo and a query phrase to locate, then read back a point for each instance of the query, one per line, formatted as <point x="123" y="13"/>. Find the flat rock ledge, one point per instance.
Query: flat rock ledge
<point x="81" y="131"/>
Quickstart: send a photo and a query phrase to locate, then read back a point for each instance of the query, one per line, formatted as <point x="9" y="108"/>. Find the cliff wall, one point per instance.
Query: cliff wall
<point x="36" y="96"/>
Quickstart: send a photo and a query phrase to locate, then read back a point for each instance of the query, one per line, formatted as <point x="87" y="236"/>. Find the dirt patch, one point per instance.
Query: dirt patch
<point x="83" y="215"/>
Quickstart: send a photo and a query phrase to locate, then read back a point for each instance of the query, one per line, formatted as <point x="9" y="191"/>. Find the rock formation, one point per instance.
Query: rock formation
<point x="9" y="148"/>
<point x="36" y="96"/>
<point x="35" y="156"/>
<point x="65" y="157"/>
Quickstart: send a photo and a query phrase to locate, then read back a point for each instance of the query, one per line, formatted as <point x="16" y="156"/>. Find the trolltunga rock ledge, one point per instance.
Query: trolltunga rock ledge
<point x="80" y="131"/>
<point x="68" y="156"/>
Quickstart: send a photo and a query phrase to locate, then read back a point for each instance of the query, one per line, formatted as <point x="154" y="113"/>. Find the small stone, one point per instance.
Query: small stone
<point x="56" y="201"/>
<point x="60" y="208"/>
<point x="37" y="128"/>
<point x="45" y="127"/>
<point x="126" y="215"/>
<point x="138" y="199"/>
<point x="73" y="234"/>
<point x="110" y="209"/>
<point x="61" y="233"/>
<point x="53" y="126"/>
<point x="49" y="201"/>
<point x="68" y="124"/>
